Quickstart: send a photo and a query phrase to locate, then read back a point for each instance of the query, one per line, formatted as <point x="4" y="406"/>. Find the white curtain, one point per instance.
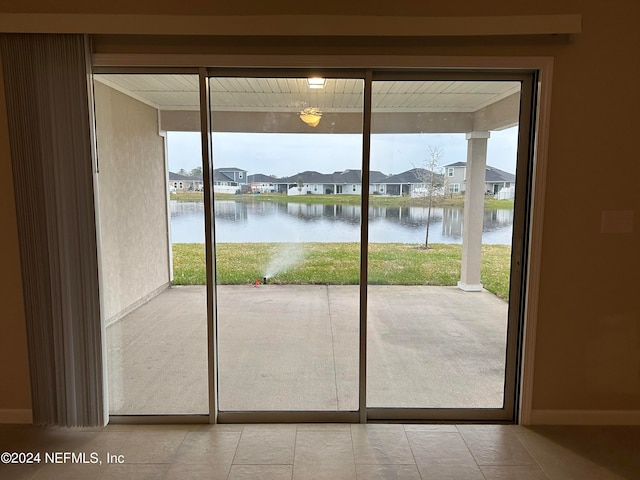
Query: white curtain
<point x="49" y="126"/>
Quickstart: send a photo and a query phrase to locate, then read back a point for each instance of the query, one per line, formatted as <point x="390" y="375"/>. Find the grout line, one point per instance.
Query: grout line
<point x="233" y="460"/>
<point x="471" y="453"/>
<point x="295" y="444"/>
<point x="412" y="452"/>
<point x="333" y="349"/>
<point x="532" y="456"/>
<point x="353" y="449"/>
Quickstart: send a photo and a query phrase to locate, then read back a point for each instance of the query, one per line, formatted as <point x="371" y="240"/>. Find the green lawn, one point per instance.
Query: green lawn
<point x="344" y="199"/>
<point x="338" y="264"/>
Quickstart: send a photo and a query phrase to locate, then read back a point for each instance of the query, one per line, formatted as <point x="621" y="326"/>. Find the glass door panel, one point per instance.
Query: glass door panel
<point x="287" y="154"/>
<point x="151" y="218"/>
<point x="443" y="163"/>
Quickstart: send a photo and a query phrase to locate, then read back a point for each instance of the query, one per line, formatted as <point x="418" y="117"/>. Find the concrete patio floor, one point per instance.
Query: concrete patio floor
<point x="286" y="347"/>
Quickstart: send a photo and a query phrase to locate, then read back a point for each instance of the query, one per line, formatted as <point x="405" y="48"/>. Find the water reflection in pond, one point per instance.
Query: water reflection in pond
<point x="300" y="222"/>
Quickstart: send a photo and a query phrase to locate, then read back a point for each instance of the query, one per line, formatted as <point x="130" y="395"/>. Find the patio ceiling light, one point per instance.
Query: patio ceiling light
<point x="316" y="82"/>
<point x="311" y="116"/>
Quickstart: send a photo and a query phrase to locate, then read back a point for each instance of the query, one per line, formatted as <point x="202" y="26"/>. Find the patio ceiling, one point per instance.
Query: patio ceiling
<point x="251" y="104"/>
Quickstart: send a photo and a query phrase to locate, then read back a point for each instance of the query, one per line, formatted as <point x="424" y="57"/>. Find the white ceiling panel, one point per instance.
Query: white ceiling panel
<point x="180" y="92"/>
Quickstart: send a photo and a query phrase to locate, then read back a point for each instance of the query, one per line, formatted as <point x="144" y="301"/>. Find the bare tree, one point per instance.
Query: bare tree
<point x="433" y="182"/>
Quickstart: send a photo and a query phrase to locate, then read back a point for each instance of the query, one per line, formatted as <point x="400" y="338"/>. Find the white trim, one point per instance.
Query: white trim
<point x="543" y="64"/>
<point x="481" y="134"/>
<point x="535" y="242"/>
<point x="469" y="287"/>
<point x="291" y="25"/>
<point x="16" y="416"/>
<point x="326" y="61"/>
<point x="585" y="417"/>
<point x="138" y="303"/>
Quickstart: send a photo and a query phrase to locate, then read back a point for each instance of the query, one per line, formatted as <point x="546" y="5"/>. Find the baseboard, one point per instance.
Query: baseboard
<point x="585" y="417"/>
<point x="138" y="303"/>
<point x="16" y="416"/>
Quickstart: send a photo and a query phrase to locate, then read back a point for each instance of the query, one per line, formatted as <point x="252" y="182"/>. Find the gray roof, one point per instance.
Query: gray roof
<point x="260" y="178"/>
<point x="496" y="175"/>
<point x="221" y="177"/>
<point x="346" y="176"/>
<point x="492" y="175"/>
<point x="457" y="164"/>
<point x="187" y="178"/>
<point x="230" y="169"/>
<point x="377" y="177"/>
<point x="415" y="175"/>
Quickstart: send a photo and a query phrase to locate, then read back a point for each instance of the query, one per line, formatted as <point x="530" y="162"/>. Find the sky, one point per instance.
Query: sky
<point x="285" y="154"/>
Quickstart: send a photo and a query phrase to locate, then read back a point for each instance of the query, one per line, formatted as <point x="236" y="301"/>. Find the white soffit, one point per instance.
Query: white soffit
<point x="180" y="92"/>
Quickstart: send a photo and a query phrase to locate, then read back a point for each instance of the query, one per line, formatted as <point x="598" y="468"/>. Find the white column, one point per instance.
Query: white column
<point x="473" y="211"/>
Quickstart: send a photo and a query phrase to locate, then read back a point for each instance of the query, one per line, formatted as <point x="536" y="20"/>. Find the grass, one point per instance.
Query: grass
<point x="344" y="199"/>
<point x="339" y="263"/>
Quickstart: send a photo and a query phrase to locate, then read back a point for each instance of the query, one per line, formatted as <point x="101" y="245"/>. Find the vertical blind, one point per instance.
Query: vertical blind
<point x="50" y="137"/>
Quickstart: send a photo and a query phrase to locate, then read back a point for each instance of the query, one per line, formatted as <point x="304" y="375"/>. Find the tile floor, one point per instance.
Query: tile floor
<point x="330" y="451"/>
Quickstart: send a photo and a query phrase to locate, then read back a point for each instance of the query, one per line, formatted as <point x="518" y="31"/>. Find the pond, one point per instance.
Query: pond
<point x="237" y="222"/>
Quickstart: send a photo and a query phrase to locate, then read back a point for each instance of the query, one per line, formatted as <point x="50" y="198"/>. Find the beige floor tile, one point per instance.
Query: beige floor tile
<point x="324" y="448"/>
<point x="103" y="472"/>
<point x="261" y="472"/>
<point x="562" y="460"/>
<point x="304" y="427"/>
<point x="19" y="472"/>
<point x="133" y="472"/>
<point x="439" y="449"/>
<point x="267" y="444"/>
<point x="515" y="473"/>
<point x="495" y="445"/>
<point x="381" y="444"/>
<point x="324" y="472"/>
<point x="615" y="449"/>
<point x="209" y="448"/>
<point x="69" y="472"/>
<point x="387" y="472"/>
<point x="152" y="446"/>
<point x="450" y="472"/>
<point x="218" y="428"/>
<point x="431" y="428"/>
<point x="189" y="471"/>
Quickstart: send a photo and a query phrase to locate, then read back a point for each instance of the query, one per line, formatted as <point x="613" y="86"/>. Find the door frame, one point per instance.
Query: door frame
<point x="530" y="254"/>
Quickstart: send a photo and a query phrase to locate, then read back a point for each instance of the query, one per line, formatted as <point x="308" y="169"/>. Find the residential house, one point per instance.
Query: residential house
<point x="184" y="183"/>
<point x="225" y="183"/>
<point x="236" y="175"/>
<point x="495" y="179"/>
<point x="414" y="183"/>
<point x="339" y="182"/>
<point x="259" y="183"/>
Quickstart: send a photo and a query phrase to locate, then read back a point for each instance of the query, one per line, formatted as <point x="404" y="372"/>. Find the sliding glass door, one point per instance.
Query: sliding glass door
<point x="441" y="234"/>
<point x="287" y="156"/>
<point x="288" y="245"/>
<point x="152" y="239"/>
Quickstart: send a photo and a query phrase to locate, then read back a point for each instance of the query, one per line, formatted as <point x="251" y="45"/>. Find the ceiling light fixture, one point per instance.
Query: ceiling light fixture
<point x="316" y="82"/>
<point x="311" y="116"/>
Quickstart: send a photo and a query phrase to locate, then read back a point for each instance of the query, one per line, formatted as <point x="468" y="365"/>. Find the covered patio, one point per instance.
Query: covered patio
<point x="285" y="347"/>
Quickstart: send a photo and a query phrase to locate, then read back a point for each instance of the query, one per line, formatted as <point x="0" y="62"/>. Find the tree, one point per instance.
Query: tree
<point x="196" y="172"/>
<point x="433" y="180"/>
<point x="182" y="171"/>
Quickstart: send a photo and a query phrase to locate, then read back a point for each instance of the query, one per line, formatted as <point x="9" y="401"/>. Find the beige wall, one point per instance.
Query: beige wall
<point x="15" y="393"/>
<point x="588" y="350"/>
<point x="132" y="200"/>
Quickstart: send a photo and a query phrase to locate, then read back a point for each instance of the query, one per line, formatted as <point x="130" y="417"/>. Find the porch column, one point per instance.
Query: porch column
<point x="473" y="211"/>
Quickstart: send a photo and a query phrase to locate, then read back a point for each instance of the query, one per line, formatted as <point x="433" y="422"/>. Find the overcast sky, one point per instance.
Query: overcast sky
<point x="282" y="154"/>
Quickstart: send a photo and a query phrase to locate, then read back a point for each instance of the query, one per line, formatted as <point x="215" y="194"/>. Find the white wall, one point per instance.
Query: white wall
<point x="132" y="200"/>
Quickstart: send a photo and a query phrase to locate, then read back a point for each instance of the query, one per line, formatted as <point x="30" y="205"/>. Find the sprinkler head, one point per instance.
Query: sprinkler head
<point x="264" y="280"/>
